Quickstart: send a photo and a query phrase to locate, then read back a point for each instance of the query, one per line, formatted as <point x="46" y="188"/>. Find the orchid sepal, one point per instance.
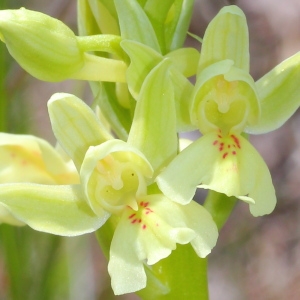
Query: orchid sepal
<point x="55" y="209"/>
<point x="278" y="93"/>
<point x="226" y="37"/>
<point x="75" y="126"/>
<point x="153" y="129"/>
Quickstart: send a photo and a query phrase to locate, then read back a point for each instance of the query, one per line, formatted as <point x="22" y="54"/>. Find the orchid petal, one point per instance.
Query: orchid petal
<point x="25" y="158"/>
<point x="185" y="60"/>
<point x="279" y="97"/>
<point x="143" y="60"/>
<point x="55" y="209"/>
<point x="153" y="129"/>
<point x="226" y="37"/>
<point x="113" y="175"/>
<point x="151" y="233"/>
<point x="224" y="97"/>
<point x="75" y="125"/>
<point x="228" y="165"/>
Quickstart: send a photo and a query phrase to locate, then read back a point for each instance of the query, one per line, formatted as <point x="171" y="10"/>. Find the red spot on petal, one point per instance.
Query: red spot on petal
<point x="144" y="226"/>
<point x="228" y="146"/>
<point x="219" y="136"/>
<point x="236" y="140"/>
<point x="140" y="220"/>
<point x="225" y="154"/>
<point x="131" y="216"/>
<point x="134" y="221"/>
<point x="233" y="152"/>
<point x="215" y="142"/>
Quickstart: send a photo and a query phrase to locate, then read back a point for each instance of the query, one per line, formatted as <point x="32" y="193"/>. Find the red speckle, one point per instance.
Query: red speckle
<point x="142" y="203"/>
<point x="140" y="220"/>
<point x="148" y="211"/>
<point x="233" y="152"/>
<point x="236" y="140"/>
<point x="131" y="216"/>
<point x="228" y="146"/>
<point x="215" y="142"/>
<point x="134" y="221"/>
<point x="219" y="136"/>
<point x="225" y="154"/>
<point x="144" y="226"/>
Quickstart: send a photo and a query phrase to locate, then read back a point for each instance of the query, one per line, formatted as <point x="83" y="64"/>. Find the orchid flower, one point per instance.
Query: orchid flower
<point x="25" y="158"/>
<point x="227" y="103"/>
<point x="117" y="178"/>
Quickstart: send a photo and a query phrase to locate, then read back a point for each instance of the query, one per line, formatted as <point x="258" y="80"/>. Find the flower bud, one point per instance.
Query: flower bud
<point x="45" y="47"/>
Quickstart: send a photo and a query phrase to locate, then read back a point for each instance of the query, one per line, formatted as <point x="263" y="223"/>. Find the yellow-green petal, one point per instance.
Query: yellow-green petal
<point x="224" y="98"/>
<point x="113" y="175"/>
<point x="55" y="209"/>
<point x="142" y="60"/>
<point x="75" y="125"/>
<point x="153" y="129"/>
<point x="226" y="164"/>
<point x="226" y="37"/>
<point x="279" y="94"/>
<point x="25" y="158"/>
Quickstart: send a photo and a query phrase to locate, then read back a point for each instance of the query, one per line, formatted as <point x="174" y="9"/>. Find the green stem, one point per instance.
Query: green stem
<point x="13" y="260"/>
<point x="220" y="207"/>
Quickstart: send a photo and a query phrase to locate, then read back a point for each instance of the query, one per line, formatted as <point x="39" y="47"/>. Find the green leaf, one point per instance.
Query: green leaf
<point x="135" y="24"/>
<point x="279" y="95"/>
<point x="55" y="209"/>
<point x="75" y="126"/>
<point x="153" y="129"/>
<point x="226" y="37"/>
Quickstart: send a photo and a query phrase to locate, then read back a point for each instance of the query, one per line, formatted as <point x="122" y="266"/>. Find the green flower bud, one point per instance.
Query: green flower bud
<point x="45" y="47"/>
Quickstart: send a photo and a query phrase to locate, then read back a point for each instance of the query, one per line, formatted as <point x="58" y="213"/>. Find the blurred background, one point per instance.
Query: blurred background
<point x="256" y="258"/>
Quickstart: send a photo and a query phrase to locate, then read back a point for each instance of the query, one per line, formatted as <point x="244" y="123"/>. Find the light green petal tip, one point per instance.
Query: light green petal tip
<point x="226" y="37"/>
<point x="59" y="210"/>
<point x="279" y="94"/>
<point x="75" y="125"/>
<point x="153" y="129"/>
